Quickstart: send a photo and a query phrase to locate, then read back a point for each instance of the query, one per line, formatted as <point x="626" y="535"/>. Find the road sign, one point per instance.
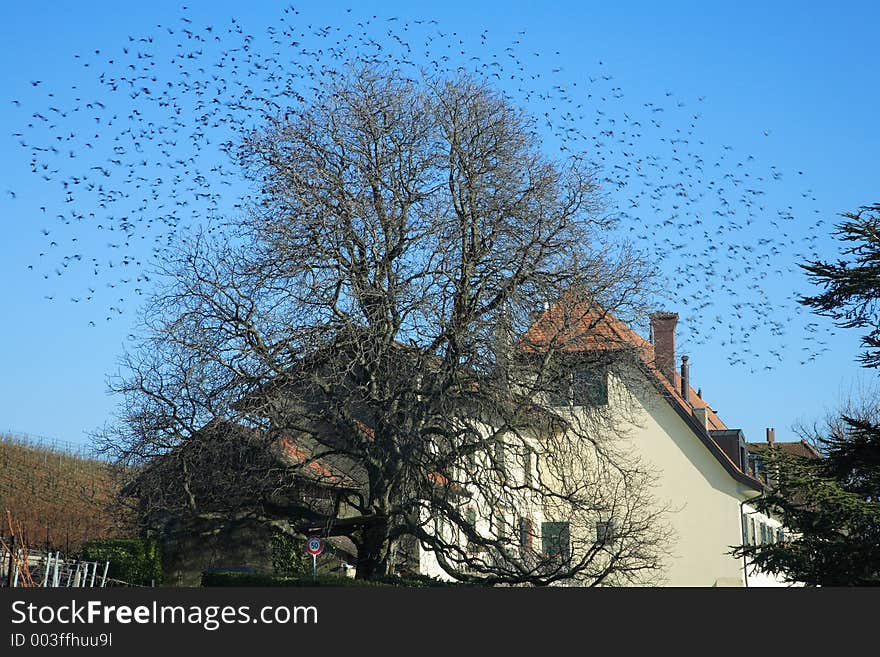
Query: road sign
<point x="314" y="545"/>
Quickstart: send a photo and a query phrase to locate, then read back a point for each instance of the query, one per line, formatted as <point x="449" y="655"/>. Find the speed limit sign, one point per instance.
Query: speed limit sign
<point x="314" y="545"/>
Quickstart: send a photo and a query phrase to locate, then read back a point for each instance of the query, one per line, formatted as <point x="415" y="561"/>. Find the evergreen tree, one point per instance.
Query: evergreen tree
<point x="831" y="505"/>
<point x="851" y="295"/>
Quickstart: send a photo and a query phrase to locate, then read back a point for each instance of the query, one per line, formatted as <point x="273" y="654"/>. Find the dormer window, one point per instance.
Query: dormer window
<point x="590" y="387"/>
<point x="758" y="468"/>
<point x="584" y="386"/>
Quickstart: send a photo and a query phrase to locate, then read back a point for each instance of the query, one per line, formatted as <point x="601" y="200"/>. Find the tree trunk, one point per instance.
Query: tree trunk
<point x="370" y="561"/>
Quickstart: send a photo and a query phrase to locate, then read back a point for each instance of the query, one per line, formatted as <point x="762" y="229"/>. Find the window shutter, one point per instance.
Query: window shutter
<point x="604" y="532"/>
<point x="470" y="460"/>
<point x="471" y="515"/>
<point x="499" y="457"/>
<point x="555" y="541"/>
<point x="526" y="533"/>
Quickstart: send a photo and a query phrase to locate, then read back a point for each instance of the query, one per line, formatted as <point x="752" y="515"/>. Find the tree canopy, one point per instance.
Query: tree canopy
<point x="404" y="232"/>
<point x="851" y="285"/>
<point x="829" y="507"/>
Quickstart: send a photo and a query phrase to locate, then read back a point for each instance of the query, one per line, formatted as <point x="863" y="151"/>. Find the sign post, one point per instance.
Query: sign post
<point x="314" y="546"/>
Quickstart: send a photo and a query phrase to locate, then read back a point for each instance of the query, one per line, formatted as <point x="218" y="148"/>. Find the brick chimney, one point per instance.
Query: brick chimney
<point x="771" y="435"/>
<point x="663" y="337"/>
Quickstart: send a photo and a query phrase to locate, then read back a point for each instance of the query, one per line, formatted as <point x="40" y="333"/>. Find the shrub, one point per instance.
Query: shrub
<point x="132" y="560"/>
<point x="289" y="558"/>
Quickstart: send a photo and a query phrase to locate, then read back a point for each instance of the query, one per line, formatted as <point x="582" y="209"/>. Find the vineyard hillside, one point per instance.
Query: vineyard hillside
<point x="60" y="495"/>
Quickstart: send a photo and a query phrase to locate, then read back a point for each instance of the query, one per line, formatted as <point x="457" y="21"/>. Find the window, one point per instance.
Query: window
<point x="586" y="386"/>
<point x="763" y="530"/>
<point x="559" y="391"/>
<point x="526" y="534"/>
<point x="752" y="540"/>
<point x="604" y="532"/>
<point x="555" y="542"/>
<point x="757" y="467"/>
<point x="780" y="535"/>
<point x="589" y="387"/>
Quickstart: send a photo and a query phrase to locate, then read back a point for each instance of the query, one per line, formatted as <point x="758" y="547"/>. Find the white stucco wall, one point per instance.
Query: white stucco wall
<point x="703" y="498"/>
<point x="524" y="507"/>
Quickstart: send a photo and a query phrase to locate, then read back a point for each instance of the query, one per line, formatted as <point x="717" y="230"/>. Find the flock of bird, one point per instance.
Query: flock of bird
<point x="137" y="152"/>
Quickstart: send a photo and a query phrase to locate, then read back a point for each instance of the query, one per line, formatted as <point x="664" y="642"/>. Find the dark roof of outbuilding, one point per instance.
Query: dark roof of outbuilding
<point x="795" y="448"/>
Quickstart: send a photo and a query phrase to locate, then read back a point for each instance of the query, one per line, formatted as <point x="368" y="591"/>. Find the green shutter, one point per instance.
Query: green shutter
<point x="471" y="515"/>
<point x="555" y="540"/>
<point x="525" y="533"/>
<point x="500" y="457"/>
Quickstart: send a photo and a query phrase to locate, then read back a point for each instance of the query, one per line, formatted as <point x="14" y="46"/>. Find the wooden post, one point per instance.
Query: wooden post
<point x="11" y="562"/>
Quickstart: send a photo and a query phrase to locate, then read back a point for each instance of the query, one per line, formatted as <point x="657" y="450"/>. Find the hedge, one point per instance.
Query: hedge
<point x="225" y="578"/>
<point x="132" y="560"/>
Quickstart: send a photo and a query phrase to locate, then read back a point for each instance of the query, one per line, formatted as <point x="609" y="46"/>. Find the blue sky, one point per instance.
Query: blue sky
<point x="789" y="91"/>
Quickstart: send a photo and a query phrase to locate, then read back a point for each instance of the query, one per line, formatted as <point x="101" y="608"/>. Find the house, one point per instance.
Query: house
<point x="218" y="500"/>
<point x="760" y="528"/>
<point x="701" y="490"/>
<point x="703" y="476"/>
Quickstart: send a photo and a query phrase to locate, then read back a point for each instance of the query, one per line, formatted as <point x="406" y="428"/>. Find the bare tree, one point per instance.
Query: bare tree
<point x="374" y="308"/>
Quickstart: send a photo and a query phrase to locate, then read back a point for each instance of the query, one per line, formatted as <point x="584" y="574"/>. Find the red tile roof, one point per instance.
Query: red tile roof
<point x="585" y="327"/>
<point x="296" y="455"/>
<point x="580" y="326"/>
